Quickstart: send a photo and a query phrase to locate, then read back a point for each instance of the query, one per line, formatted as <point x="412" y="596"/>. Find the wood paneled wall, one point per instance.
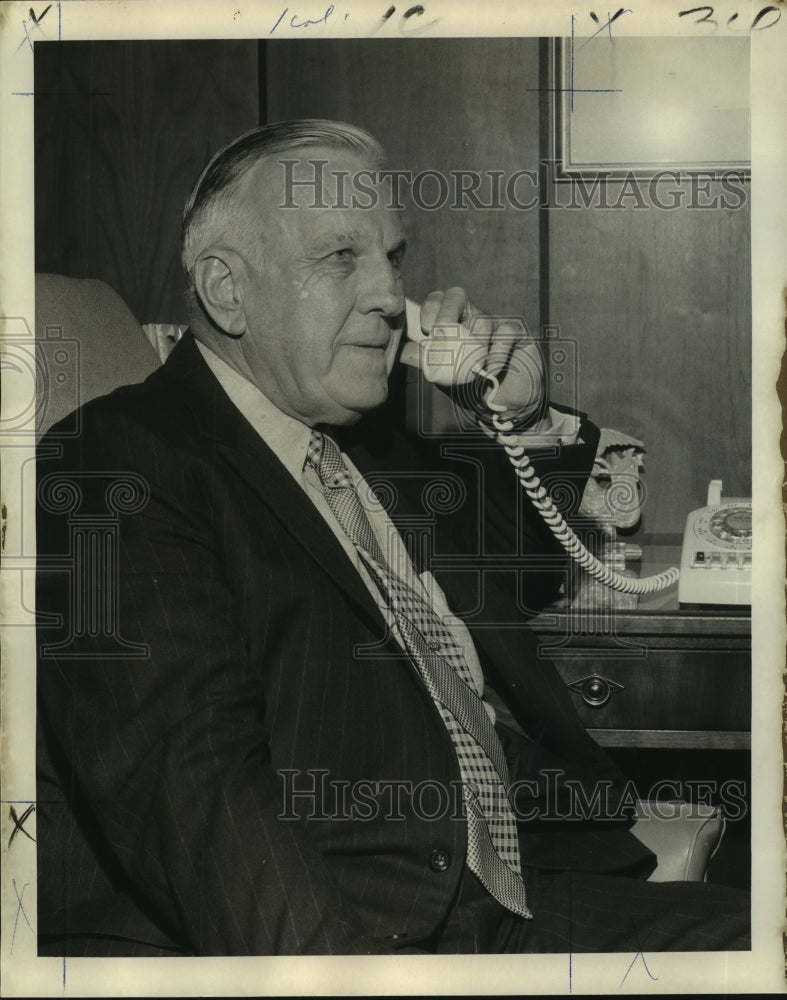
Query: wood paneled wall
<point x="435" y="104"/>
<point x="659" y="304"/>
<point x="122" y="131"/>
<point x="444" y="105"/>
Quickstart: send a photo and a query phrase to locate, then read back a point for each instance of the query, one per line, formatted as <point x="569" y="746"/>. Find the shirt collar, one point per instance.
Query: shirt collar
<point x="287" y="437"/>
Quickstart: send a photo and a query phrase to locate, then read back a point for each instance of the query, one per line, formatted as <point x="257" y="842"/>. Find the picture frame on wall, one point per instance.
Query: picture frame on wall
<point x="645" y="105"/>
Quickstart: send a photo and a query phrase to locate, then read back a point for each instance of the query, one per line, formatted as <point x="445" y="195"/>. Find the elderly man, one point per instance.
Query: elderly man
<point x="294" y="744"/>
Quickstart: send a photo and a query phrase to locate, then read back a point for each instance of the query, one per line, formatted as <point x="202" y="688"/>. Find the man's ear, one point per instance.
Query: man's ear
<point x="216" y="275"/>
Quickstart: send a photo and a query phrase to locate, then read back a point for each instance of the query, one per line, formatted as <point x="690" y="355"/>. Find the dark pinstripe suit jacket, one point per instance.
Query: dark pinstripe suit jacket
<point x="262" y="666"/>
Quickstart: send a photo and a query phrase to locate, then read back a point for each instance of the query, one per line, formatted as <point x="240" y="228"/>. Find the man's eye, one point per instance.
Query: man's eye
<point x="345" y="254"/>
<point x="396" y="258"/>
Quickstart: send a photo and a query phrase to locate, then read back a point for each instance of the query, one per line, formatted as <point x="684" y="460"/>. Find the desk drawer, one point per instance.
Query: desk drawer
<point x="662" y="689"/>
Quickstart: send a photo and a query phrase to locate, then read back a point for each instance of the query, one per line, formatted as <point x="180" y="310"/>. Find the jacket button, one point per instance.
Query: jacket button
<point x="440" y="860"/>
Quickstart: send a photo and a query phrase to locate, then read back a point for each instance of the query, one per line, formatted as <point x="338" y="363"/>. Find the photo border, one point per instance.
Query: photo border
<point x="762" y="969"/>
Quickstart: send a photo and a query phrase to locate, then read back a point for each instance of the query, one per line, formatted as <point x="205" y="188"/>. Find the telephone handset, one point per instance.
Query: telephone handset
<point x="539" y="496"/>
<point x="715" y="566"/>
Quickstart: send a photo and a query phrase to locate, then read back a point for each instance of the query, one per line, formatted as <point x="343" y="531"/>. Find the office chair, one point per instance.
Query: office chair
<point x="87" y="343"/>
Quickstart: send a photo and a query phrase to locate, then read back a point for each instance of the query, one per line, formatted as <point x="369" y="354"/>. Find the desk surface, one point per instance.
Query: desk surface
<point x="655" y="614"/>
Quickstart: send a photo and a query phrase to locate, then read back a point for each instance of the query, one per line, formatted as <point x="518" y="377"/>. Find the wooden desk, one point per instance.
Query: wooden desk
<point x="655" y="676"/>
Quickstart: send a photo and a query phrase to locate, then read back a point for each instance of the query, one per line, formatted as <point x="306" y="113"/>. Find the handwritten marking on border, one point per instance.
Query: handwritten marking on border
<point x="641" y="955"/>
<point x="19" y="909"/>
<point x="36" y="22"/>
<point x="408" y="21"/>
<point x="19" y="823"/>
<point x="708" y="11"/>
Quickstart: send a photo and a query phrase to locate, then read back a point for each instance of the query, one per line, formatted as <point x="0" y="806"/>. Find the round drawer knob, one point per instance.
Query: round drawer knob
<point x="595" y="689"/>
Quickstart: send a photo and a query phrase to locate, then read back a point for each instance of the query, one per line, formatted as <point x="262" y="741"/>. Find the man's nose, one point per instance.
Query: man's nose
<point x="383" y="289"/>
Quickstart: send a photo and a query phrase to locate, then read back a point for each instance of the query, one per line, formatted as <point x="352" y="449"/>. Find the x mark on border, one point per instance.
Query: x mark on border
<point x="19" y="823"/>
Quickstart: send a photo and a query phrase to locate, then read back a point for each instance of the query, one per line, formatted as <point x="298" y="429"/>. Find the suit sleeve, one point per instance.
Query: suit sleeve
<point x="151" y="706"/>
<point x="563" y="471"/>
<point x="512" y="525"/>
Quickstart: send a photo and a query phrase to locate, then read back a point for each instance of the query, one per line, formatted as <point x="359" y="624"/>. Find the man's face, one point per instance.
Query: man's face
<point x="320" y="294"/>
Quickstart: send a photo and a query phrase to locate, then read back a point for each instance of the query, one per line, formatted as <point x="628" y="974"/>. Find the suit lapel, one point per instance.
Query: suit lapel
<point x="227" y="434"/>
<point x="234" y="441"/>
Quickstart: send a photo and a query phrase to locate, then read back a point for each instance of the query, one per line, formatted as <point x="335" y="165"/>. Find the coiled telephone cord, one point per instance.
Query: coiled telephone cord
<point x="552" y="516"/>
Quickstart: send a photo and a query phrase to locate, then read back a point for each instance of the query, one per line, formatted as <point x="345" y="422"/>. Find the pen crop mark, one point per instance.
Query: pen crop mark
<point x="19" y="823"/>
<point x="572" y="88"/>
<point x="641" y="955"/>
<point x="36" y="21"/>
<point x="19" y="909"/>
<point x="611" y="18"/>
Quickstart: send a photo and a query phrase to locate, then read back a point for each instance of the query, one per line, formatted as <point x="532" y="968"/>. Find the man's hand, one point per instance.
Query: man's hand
<point x="454" y="342"/>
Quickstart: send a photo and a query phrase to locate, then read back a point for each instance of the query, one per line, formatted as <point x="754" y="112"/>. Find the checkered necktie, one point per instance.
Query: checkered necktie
<point x="492" y="844"/>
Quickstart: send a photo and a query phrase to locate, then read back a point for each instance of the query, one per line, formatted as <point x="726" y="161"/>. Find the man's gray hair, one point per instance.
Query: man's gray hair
<point x="210" y="216"/>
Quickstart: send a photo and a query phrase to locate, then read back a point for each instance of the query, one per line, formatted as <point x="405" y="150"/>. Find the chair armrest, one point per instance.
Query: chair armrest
<point x="683" y="836"/>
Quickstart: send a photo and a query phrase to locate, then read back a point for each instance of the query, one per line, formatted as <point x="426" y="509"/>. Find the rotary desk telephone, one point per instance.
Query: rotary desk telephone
<point x="715" y="565"/>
